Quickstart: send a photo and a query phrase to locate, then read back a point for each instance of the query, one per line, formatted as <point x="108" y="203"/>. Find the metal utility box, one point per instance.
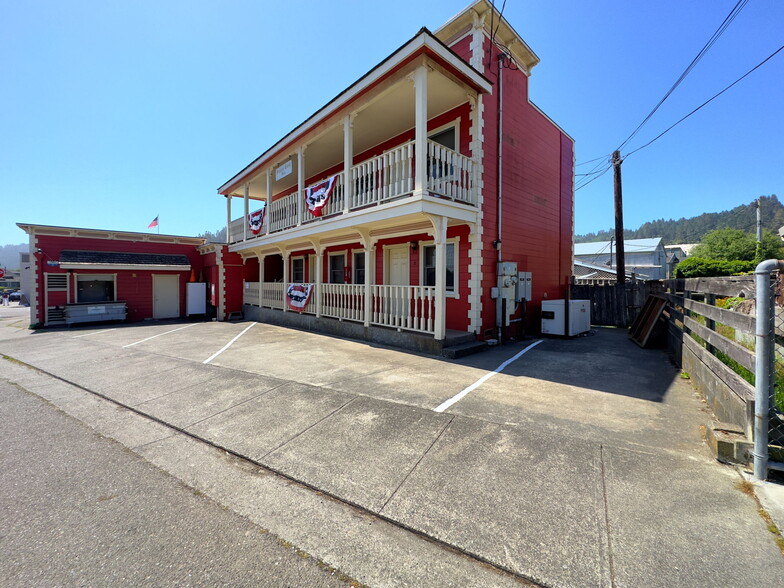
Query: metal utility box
<point x="195" y="298"/>
<point x="507" y="291"/>
<point x="524" y="286"/>
<point x="92" y="312"/>
<point x="554" y="317"/>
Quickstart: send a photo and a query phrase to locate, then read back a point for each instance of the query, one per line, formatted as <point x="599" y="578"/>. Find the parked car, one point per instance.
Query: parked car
<point x="15" y="296"/>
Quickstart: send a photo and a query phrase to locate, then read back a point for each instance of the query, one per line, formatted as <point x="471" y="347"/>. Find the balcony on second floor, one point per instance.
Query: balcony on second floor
<point x="403" y="140"/>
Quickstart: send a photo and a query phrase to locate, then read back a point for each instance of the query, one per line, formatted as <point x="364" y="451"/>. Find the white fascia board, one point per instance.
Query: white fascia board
<point x="423" y="39"/>
<point x="137" y="267"/>
<point x="414" y="206"/>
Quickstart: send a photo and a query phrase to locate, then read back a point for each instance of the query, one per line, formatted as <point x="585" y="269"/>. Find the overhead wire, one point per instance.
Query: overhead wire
<point x="668" y="129"/>
<point x="708" y="44"/>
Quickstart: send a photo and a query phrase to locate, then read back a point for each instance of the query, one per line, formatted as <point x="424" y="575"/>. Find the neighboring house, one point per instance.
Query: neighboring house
<point x="646" y="258"/>
<point x="417" y="220"/>
<point x="676" y="254"/>
<point x="587" y="273"/>
<point x="148" y="273"/>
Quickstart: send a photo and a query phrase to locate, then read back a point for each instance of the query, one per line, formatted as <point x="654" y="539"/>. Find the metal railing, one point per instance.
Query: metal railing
<point x="768" y="372"/>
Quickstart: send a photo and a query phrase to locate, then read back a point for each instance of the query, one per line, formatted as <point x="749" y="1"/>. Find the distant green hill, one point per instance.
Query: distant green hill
<point x="691" y="230"/>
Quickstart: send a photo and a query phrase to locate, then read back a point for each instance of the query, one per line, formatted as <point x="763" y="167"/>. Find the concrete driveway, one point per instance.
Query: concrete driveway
<point x="564" y="462"/>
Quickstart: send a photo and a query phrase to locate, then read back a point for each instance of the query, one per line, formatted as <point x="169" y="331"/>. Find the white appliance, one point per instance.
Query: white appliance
<point x="554" y="317"/>
<point x="195" y="298"/>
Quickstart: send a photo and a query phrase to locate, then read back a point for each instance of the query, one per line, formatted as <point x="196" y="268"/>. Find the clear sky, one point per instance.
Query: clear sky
<point x="114" y="112"/>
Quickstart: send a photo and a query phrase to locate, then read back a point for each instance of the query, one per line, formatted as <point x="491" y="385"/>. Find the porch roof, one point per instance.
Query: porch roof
<point x="424" y="43"/>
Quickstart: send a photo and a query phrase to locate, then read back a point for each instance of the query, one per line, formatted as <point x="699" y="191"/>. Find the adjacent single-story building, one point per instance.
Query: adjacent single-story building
<point x="646" y="258"/>
<point x="81" y="275"/>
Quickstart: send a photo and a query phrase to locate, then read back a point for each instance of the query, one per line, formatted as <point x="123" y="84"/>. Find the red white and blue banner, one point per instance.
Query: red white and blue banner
<point x="317" y="196"/>
<point x="255" y="221"/>
<point x="298" y="295"/>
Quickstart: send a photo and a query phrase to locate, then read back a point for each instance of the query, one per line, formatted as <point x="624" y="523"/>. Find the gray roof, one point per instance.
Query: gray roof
<point x="629" y="246"/>
<point x="120" y="258"/>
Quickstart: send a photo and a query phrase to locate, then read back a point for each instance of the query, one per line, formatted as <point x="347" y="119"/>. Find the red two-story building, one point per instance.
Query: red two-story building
<point x="431" y="196"/>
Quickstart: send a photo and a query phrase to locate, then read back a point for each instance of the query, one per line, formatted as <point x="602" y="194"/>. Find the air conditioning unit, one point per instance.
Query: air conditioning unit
<point x="554" y="317"/>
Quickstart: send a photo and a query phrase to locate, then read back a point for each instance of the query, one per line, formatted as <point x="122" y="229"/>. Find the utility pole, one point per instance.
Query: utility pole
<point x="620" y="271"/>
<point x="759" y="230"/>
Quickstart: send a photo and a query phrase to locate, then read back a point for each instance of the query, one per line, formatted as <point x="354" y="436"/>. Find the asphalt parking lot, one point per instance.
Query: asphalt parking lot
<point x="553" y="460"/>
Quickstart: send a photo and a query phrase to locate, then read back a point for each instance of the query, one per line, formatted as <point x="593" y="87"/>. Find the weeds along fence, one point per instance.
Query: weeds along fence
<point x="613" y="304"/>
<point x="714" y="332"/>
<point x="711" y="332"/>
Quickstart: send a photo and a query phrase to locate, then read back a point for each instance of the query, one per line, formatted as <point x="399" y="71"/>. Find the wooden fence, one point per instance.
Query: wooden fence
<point x="715" y="345"/>
<point x="612" y="304"/>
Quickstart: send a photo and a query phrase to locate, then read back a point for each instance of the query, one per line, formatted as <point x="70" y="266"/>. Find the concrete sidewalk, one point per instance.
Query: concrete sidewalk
<point x="547" y="501"/>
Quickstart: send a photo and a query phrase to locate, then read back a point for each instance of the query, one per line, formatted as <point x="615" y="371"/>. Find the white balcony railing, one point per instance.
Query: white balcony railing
<point x="403" y="307"/>
<point x="250" y="293"/>
<point x="343" y="301"/>
<point x="272" y="294"/>
<point x="375" y="181"/>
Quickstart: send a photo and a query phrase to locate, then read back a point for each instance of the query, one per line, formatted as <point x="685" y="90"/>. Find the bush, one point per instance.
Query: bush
<point x="699" y="267"/>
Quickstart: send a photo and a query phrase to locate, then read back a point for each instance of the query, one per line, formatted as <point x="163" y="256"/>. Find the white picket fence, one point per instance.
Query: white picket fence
<point x="402" y="307"/>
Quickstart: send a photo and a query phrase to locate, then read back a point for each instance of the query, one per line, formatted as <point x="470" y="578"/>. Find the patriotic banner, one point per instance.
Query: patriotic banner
<point x="316" y="196"/>
<point x="255" y="221"/>
<point x="298" y="295"/>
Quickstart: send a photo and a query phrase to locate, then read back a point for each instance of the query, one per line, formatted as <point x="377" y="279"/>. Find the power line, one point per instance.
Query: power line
<point x="714" y="37"/>
<point x="760" y="64"/>
<point x="709" y="43"/>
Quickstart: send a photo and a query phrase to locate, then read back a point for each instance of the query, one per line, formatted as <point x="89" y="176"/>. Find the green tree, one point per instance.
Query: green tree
<point x="727" y="244"/>
<point x="737" y="245"/>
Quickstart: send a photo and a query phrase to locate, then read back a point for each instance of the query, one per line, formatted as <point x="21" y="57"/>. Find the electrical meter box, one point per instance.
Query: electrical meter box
<point x="507" y="290"/>
<point x="524" y="286"/>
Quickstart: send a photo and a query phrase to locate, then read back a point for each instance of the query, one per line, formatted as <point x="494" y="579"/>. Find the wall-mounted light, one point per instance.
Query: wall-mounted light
<point x="414" y="245"/>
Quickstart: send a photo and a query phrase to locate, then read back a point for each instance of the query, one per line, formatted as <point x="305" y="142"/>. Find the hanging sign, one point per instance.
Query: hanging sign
<point x="283" y="170"/>
<point x="255" y="221"/>
<point x="298" y="295"/>
<point x="316" y="197"/>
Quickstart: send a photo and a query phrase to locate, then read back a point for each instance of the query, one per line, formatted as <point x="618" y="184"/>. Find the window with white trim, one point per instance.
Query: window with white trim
<point x="337" y="268"/>
<point x="358" y="267"/>
<point x="297" y="270"/>
<point x="429" y="266"/>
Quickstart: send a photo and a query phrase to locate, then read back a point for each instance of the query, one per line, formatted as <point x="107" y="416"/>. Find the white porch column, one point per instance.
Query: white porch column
<point x="285" y="255"/>
<point x="300" y="182"/>
<point x="269" y="202"/>
<point x="245" y="218"/>
<point x="261" y="278"/>
<point x="319" y="280"/>
<point x="370" y="280"/>
<point x="228" y="218"/>
<point x="348" y="159"/>
<point x="439" y="223"/>
<point x="420" y="130"/>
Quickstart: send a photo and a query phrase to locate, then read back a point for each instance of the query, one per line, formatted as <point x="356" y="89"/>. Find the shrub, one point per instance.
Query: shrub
<point x="698" y="267"/>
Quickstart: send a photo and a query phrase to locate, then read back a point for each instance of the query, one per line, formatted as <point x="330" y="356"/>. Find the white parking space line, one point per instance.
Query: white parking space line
<point x="94" y="333"/>
<point x="460" y="395"/>
<point x="160" y="335"/>
<point x="229" y="344"/>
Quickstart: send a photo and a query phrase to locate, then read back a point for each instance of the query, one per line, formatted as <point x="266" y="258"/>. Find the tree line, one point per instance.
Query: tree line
<point x="692" y="230"/>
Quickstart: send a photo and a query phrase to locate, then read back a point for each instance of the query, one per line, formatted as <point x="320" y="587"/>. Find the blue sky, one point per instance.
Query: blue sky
<point x="115" y="112"/>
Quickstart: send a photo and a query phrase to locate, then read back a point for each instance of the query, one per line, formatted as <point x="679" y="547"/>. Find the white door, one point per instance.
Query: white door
<point x="397" y="266"/>
<point x="397" y="274"/>
<point x="165" y="297"/>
